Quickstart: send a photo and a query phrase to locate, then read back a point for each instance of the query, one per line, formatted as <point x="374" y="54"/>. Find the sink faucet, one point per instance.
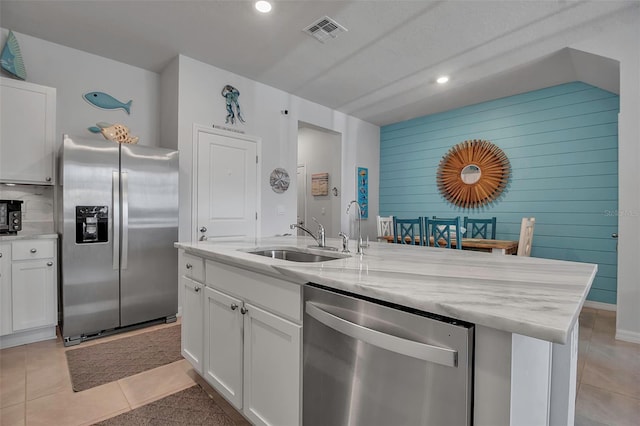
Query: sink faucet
<point x="359" y="250"/>
<point x="320" y="239"/>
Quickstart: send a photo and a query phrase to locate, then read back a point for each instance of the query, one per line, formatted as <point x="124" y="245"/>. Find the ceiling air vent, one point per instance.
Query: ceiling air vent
<point x="324" y="28"/>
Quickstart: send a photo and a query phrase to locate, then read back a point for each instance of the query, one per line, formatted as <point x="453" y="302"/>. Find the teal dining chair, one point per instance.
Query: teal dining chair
<point x="443" y="232"/>
<point x="407" y="228"/>
<point x="480" y="228"/>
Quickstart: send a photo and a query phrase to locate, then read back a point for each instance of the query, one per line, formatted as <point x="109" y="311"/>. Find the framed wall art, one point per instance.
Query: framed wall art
<point x="473" y="173"/>
<point x="363" y="191"/>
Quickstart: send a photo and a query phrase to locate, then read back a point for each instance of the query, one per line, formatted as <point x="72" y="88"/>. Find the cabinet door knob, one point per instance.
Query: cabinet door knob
<point x="48" y="179"/>
<point x="49" y="263"/>
<point x="33" y="250"/>
<point x="243" y="310"/>
<point x="203" y="229"/>
<point x="0" y="254"/>
<point x="189" y="266"/>
<point x="614" y="235"/>
<point x="233" y="306"/>
<point x="197" y="289"/>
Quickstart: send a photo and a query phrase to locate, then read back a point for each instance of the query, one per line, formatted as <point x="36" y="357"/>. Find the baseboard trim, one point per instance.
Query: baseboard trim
<point x="600" y="305"/>
<point x="628" y="336"/>
<point x="26" y="337"/>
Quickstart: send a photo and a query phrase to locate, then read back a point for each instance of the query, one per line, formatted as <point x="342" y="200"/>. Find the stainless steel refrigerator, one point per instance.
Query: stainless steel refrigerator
<point x="118" y="207"/>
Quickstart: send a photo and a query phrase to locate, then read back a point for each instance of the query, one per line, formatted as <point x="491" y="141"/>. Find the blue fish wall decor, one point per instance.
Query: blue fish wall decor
<point x="106" y="101"/>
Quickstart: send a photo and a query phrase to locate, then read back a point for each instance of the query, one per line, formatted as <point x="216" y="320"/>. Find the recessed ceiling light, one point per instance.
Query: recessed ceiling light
<point x="442" y="80"/>
<point x="263" y="6"/>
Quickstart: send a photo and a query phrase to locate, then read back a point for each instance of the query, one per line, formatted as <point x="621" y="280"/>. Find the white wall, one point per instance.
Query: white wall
<point x="74" y="72"/>
<point x="169" y="101"/>
<point x="320" y="152"/>
<point x="622" y="43"/>
<point x="200" y="102"/>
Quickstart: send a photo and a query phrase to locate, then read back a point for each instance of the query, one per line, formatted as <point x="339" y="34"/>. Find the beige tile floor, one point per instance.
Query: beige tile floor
<point x="35" y="388"/>
<point x="608" y="373"/>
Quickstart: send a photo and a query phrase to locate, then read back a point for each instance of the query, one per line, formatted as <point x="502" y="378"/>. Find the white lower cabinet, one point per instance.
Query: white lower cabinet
<point x="33" y="294"/>
<point x="252" y="357"/>
<point x="271" y="368"/>
<point x="252" y="336"/>
<point x="223" y="344"/>
<point x="192" y="326"/>
<point x="5" y="289"/>
<point x="28" y="291"/>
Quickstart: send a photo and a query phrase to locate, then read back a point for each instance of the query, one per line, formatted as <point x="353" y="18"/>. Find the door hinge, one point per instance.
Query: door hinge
<point x="256" y="159"/>
<point x="256" y="215"/>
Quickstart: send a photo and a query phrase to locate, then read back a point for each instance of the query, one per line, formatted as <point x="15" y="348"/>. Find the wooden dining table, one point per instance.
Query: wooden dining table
<point x="501" y="247"/>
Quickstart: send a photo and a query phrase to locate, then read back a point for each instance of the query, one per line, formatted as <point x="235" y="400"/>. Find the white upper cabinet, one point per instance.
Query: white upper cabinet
<point x="27" y="132"/>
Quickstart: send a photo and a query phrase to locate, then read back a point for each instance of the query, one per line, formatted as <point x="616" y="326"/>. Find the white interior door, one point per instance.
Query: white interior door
<point x="226" y="187"/>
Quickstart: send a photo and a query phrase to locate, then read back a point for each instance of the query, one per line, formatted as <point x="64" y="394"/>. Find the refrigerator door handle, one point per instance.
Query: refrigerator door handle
<point x="115" y="217"/>
<point x="125" y="219"/>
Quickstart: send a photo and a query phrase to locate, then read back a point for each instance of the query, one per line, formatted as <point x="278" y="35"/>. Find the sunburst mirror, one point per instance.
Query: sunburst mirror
<point x="473" y="173"/>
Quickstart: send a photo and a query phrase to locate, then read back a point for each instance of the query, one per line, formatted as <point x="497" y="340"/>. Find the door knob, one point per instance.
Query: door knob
<point x="203" y="229"/>
<point x="614" y="235"/>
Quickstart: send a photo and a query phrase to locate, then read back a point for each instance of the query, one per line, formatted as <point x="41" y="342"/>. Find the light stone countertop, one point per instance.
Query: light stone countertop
<point x="535" y="297"/>
<point x="27" y="236"/>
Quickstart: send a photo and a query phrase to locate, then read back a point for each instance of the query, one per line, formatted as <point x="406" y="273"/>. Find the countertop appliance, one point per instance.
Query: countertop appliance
<point x="119" y="215"/>
<point x="367" y="362"/>
<point x="10" y="216"/>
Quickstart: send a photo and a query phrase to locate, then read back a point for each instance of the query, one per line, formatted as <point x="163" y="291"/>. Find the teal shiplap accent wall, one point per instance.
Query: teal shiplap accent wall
<point x="562" y="143"/>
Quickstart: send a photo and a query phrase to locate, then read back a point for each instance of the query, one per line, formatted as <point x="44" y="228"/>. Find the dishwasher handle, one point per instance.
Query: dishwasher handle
<point x="443" y="356"/>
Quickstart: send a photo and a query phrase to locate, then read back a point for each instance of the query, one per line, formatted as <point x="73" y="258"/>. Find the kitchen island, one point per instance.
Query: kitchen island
<point x="525" y="311"/>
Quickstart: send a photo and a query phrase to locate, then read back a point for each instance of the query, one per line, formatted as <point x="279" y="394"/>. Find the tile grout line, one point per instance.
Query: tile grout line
<point x="24" y="360"/>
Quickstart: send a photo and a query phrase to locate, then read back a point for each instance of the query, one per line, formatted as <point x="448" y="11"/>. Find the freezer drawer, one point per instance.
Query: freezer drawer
<point x="367" y="363"/>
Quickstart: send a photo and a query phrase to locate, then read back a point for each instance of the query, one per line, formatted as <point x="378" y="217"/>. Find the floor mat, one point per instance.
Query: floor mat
<point x="110" y="361"/>
<point x="191" y="406"/>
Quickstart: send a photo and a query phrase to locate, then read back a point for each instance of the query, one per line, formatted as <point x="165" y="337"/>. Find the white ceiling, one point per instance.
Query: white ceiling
<point x="382" y="70"/>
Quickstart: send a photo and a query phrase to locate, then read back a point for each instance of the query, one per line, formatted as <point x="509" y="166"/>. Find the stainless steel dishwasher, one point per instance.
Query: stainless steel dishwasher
<point x="367" y="362"/>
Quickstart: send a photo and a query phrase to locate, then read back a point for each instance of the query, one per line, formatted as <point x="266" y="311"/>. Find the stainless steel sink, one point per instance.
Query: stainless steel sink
<point x="294" y="255"/>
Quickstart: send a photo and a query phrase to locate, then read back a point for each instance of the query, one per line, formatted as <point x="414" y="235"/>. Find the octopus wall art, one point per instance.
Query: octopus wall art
<point x="231" y="95"/>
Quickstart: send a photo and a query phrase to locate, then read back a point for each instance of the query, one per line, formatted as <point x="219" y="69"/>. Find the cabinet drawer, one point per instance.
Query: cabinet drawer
<point x="32" y="249"/>
<point x="192" y="267"/>
<point x="280" y="297"/>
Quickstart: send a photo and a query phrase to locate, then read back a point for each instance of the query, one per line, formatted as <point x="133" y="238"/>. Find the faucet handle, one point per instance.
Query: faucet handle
<point x="321" y="236"/>
<point x="345" y="242"/>
<point x="319" y="224"/>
